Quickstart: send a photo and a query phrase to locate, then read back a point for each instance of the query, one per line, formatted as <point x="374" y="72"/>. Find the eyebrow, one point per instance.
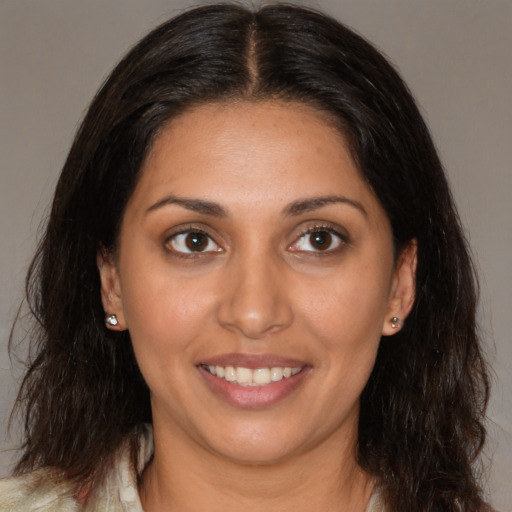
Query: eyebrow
<point x="294" y="209"/>
<point x="195" y="205"/>
<point x="314" y="203"/>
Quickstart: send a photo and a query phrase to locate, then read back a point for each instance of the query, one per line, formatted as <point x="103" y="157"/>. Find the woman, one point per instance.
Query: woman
<point x="253" y="289"/>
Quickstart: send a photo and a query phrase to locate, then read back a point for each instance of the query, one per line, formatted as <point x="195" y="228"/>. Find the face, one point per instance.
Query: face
<point x="255" y="274"/>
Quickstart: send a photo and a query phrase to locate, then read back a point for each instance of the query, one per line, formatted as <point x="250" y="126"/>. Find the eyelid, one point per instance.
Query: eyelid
<point x="336" y="231"/>
<point x="343" y="238"/>
<point x="187" y="229"/>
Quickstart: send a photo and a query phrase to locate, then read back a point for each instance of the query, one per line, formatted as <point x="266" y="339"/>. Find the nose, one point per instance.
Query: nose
<point x="254" y="299"/>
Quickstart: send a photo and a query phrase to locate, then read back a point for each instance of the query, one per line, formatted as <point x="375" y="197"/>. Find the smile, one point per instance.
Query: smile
<point x="249" y="377"/>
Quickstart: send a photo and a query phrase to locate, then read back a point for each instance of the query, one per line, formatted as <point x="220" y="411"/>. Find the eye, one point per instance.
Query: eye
<point x="192" y="242"/>
<point x="318" y="240"/>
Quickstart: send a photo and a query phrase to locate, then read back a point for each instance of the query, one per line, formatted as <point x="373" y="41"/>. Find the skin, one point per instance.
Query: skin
<point x="260" y="287"/>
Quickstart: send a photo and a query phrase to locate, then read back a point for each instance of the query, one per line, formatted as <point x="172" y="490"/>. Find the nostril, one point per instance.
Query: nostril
<point x="254" y="300"/>
<point x="256" y="318"/>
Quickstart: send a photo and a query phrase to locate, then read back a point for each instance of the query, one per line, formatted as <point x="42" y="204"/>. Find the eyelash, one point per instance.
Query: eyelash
<point x="321" y="228"/>
<point x="187" y="231"/>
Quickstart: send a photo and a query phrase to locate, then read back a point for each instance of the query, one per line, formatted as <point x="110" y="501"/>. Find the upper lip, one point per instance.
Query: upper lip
<point x="253" y="361"/>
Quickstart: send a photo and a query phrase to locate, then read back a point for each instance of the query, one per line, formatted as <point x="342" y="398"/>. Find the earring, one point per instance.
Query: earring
<point x="111" y="320"/>
<point x="395" y="322"/>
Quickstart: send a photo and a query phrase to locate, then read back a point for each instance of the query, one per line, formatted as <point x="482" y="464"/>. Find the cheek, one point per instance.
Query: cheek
<point x="164" y="321"/>
<point x="164" y="313"/>
<point x="345" y="317"/>
<point x="350" y="307"/>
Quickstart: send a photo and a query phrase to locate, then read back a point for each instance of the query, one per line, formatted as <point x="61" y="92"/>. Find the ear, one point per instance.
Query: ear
<point x="111" y="297"/>
<point x="403" y="289"/>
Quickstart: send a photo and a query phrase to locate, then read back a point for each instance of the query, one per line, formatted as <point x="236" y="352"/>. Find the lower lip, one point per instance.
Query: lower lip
<point x="253" y="397"/>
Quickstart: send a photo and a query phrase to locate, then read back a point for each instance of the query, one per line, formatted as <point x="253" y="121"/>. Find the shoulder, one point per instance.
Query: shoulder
<point x="42" y="490"/>
<point x="376" y="503"/>
<point x="46" y="490"/>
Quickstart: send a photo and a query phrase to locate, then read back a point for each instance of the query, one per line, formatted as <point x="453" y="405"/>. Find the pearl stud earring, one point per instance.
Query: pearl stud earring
<point x="111" y="320"/>
<point x="395" y="322"/>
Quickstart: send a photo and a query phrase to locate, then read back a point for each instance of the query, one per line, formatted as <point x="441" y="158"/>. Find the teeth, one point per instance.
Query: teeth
<point x="247" y="377"/>
<point x="230" y="374"/>
<point x="244" y="376"/>
<point x="261" y="376"/>
<point x="276" y="374"/>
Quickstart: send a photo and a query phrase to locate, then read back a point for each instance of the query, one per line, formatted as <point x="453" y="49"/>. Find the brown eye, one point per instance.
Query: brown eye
<point x="196" y="241"/>
<point x="318" y="240"/>
<point x="192" y="242"/>
<point x="321" y="240"/>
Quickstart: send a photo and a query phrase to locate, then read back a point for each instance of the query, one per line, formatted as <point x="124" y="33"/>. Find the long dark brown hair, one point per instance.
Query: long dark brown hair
<point x="422" y="411"/>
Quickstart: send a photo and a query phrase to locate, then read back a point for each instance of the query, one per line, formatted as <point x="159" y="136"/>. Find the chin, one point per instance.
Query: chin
<point x="257" y="446"/>
<point x="257" y="454"/>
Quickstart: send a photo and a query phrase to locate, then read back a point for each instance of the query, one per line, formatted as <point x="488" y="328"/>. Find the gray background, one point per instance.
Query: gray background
<point x="455" y="55"/>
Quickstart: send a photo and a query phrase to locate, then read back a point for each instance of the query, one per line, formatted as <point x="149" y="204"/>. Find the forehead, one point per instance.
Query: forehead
<point x="252" y="152"/>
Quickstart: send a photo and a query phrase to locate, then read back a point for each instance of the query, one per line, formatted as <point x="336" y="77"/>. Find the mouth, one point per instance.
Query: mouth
<point x="253" y="377"/>
<point x="253" y="381"/>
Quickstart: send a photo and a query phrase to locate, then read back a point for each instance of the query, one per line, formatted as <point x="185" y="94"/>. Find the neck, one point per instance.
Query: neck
<point x="191" y="479"/>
